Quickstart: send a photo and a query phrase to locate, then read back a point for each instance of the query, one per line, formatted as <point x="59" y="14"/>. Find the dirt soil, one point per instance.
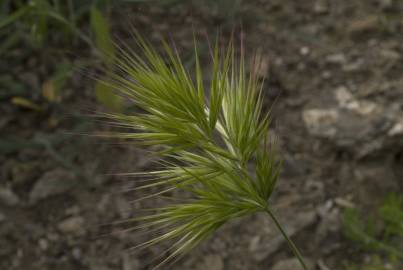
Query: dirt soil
<point x="334" y="79"/>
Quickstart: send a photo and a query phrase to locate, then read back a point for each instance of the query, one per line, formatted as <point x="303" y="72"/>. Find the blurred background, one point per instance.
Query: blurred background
<point x="334" y="82"/>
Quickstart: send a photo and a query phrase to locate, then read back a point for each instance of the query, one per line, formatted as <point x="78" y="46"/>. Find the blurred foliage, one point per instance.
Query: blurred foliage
<point x="100" y="26"/>
<point x="382" y="233"/>
<point x="391" y="213"/>
<point x="225" y="8"/>
<point x="40" y="23"/>
<point x="63" y="26"/>
<point x="376" y="263"/>
<point x="55" y="24"/>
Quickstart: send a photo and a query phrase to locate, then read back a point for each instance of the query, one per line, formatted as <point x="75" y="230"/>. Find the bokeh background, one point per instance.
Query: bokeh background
<point x="334" y="83"/>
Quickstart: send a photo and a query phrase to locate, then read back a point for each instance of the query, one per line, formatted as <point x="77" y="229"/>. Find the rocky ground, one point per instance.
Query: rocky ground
<point x="334" y="70"/>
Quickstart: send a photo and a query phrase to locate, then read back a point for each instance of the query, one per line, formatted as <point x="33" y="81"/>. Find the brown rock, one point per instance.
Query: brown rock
<point x="72" y="225"/>
<point x="52" y="183"/>
<point x="8" y="197"/>
<point x="368" y="24"/>
<point x="212" y="262"/>
<point x="288" y="264"/>
<point x="262" y="247"/>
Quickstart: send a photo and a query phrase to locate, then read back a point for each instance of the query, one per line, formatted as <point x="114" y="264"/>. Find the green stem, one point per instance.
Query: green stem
<point x="289" y="241"/>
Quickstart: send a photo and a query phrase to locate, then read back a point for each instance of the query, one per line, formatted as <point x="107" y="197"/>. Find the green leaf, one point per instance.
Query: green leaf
<point x="106" y="96"/>
<point x="11" y="40"/>
<point x="52" y="87"/>
<point x="63" y="71"/>
<point x="362" y="232"/>
<point x="14" y="16"/>
<point x="40" y="22"/>
<point x="103" y="40"/>
<point x="391" y="213"/>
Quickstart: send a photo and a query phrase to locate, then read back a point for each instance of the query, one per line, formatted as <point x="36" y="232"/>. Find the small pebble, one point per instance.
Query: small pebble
<point x="43" y="244"/>
<point x="304" y="51"/>
<point x="71" y="225"/>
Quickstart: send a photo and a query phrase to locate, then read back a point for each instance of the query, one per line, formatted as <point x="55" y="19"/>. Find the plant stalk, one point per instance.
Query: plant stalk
<point x="289" y="241"/>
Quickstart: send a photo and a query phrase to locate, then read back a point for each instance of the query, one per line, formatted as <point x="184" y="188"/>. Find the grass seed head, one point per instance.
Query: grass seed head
<point x="208" y="136"/>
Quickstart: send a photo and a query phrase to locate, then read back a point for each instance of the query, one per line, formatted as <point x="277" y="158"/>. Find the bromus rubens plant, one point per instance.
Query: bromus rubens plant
<point x="214" y="142"/>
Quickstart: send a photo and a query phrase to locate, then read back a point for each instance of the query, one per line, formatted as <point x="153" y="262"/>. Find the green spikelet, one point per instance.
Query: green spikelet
<point x="207" y="137"/>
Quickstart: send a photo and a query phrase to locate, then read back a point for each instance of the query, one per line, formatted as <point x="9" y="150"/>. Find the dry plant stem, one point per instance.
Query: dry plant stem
<point x="289" y="241"/>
